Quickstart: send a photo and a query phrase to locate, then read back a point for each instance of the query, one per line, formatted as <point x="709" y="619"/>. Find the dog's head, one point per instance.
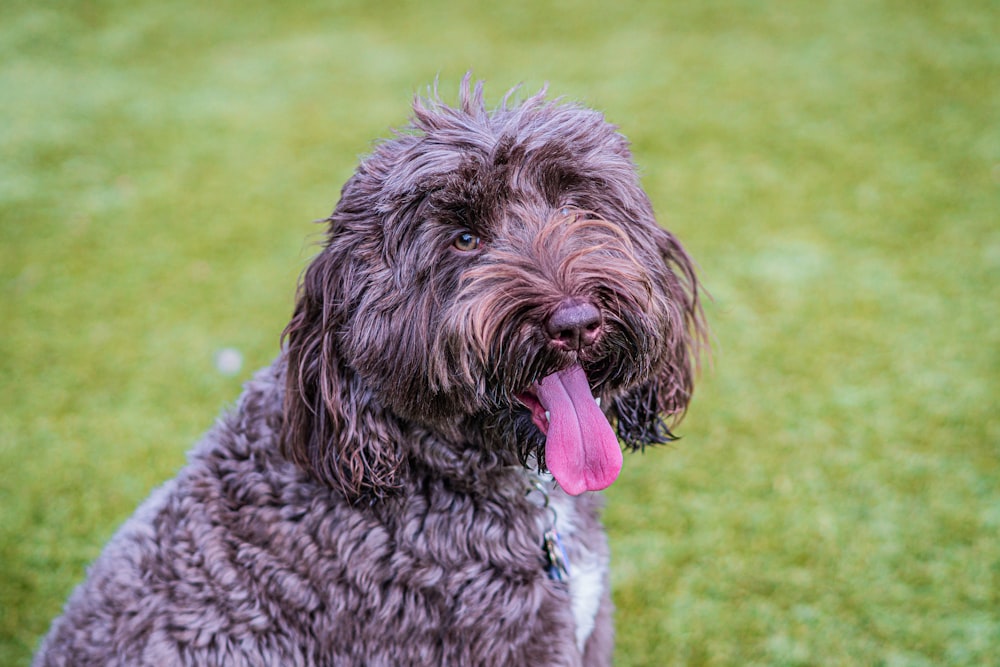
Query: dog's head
<point x="488" y="276"/>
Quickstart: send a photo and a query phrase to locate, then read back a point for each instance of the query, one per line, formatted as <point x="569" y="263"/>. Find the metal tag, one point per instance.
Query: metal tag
<point x="558" y="563"/>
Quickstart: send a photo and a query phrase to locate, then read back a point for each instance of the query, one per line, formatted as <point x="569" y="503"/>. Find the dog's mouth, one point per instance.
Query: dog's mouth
<point x="581" y="448"/>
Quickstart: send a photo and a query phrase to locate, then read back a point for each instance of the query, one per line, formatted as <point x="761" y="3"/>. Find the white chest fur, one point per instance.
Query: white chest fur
<point x="586" y="570"/>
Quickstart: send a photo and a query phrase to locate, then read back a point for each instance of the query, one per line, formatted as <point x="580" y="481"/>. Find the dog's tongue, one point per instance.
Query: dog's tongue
<point x="581" y="450"/>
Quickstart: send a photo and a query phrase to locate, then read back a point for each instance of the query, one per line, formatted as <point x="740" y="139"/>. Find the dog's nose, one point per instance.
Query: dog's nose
<point x="574" y="324"/>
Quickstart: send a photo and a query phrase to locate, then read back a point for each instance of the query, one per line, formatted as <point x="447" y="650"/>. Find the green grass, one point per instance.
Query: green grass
<point x="834" y="167"/>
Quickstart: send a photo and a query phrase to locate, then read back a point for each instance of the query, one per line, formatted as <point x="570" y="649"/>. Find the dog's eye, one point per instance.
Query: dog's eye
<point x="466" y="242"/>
<point x="578" y="213"/>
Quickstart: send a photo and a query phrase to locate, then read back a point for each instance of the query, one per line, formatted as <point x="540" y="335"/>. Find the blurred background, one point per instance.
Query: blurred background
<point x="834" y="167"/>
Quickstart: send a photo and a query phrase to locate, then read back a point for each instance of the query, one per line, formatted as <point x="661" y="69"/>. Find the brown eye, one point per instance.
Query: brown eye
<point x="466" y="242"/>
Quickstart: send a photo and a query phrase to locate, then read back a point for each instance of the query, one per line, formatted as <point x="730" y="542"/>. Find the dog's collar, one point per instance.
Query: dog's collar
<point x="556" y="561"/>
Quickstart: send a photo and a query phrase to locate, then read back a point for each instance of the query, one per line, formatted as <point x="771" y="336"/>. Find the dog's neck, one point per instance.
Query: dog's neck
<point x="468" y="467"/>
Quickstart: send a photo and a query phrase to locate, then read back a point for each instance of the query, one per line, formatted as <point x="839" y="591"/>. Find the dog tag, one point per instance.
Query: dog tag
<point x="558" y="563"/>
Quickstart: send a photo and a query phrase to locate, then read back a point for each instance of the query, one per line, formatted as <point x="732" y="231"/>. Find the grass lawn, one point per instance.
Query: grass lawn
<point x="834" y="167"/>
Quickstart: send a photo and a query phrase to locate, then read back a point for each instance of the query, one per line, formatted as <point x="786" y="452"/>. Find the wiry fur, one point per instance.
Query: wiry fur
<point x="366" y="503"/>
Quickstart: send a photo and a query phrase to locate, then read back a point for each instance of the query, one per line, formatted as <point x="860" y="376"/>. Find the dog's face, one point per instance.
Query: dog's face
<point x="497" y="278"/>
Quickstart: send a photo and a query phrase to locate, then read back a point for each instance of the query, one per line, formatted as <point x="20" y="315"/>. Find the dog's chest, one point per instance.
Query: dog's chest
<point x="585" y="568"/>
<point x="489" y="560"/>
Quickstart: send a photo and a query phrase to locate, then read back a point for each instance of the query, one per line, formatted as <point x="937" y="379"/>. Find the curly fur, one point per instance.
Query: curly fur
<point x="367" y="503"/>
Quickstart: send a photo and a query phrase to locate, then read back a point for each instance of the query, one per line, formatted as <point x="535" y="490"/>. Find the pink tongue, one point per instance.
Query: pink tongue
<point x="581" y="449"/>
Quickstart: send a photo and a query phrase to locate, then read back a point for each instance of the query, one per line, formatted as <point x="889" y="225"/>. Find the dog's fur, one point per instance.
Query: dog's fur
<point x="367" y="502"/>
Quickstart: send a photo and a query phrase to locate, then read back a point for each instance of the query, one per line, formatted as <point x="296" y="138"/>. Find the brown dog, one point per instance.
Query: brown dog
<point x="494" y="301"/>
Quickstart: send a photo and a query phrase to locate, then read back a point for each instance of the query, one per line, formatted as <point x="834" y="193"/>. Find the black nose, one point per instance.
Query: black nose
<point x="574" y="324"/>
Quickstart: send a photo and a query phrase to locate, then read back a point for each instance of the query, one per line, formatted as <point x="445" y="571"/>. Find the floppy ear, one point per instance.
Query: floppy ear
<point x="646" y="414"/>
<point x="334" y="427"/>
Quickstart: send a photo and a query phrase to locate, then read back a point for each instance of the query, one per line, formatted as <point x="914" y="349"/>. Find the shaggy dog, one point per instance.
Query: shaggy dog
<point x="493" y="312"/>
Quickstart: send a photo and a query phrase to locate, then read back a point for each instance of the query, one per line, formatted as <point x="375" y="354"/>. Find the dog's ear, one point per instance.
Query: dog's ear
<point x="333" y="427"/>
<point x="645" y="415"/>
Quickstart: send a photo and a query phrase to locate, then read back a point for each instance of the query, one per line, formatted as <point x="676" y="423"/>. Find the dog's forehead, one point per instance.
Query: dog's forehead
<point x="471" y="165"/>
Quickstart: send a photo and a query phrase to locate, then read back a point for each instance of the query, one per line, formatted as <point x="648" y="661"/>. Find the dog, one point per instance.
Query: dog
<point x="493" y="314"/>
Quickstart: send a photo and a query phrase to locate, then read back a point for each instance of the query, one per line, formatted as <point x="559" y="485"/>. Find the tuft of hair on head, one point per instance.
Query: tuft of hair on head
<point x="431" y="112"/>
